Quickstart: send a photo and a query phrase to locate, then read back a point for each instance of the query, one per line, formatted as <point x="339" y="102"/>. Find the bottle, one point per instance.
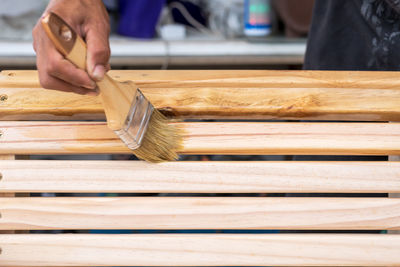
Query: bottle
<point x="257" y="18"/>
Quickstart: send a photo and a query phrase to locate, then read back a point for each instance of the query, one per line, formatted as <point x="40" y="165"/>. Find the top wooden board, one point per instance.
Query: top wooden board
<point x="223" y="94"/>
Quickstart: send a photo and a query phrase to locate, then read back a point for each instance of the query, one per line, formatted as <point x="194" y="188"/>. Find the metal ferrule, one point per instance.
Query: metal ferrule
<point x="137" y="121"/>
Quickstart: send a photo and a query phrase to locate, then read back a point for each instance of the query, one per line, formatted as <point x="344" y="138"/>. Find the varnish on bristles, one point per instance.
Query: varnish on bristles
<point x="161" y="141"/>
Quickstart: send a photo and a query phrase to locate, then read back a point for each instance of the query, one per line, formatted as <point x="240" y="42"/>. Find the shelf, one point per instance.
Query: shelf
<point x="136" y="53"/>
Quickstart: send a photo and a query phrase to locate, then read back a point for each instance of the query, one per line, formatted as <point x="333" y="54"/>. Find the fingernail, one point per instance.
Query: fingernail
<point x="91" y="86"/>
<point x="98" y="72"/>
<point x="94" y="93"/>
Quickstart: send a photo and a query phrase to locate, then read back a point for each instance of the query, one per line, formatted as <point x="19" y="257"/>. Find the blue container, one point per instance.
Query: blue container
<point x="138" y="18"/>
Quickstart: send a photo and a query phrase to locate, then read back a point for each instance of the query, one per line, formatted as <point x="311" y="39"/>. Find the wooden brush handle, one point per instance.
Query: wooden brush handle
<point x="117" y="97"/>
<point x="65" y="39"/>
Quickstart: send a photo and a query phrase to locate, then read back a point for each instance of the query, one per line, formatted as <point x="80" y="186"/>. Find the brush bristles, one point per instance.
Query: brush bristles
<point x="161" y="141"/>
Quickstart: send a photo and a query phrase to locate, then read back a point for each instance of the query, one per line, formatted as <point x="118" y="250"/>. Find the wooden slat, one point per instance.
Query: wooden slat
<point x="394" y="195"/>
<point x="210" y="138"/>
<point x="200" y="213"/>
<point x="7" y="158"/>
<point x="216" y="78"/>
<point x="200" y="250"/>
<point x="246" y="94"/>
<point x="199" y="177"/>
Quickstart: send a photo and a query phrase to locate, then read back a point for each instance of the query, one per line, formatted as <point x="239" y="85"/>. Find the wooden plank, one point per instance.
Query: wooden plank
<point x="246" y="94"/>
<point x="200" y="213"/>
<point x="397" y="196"/>
<point x="199" y="177"/>
<point x="200" y="250"/>
<point x="7" y="158"/>
<point x="216" y="78"/>
<point x="210" y="138"/>
<point x="394" y="195"/>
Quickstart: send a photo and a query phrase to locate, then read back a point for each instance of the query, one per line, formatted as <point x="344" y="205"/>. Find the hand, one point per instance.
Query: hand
<point x="90" y="20"/>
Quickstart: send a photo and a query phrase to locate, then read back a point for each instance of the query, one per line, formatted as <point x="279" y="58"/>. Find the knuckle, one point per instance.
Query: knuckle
<point x="35" y="30"/>
<point x="53" y="67"/>
<point x="108" y="52"/>
<point x="35" y="38"/>
<point x="45" y="81"/>
<point x="107" y="28"/>
<point x="102" y="53"/>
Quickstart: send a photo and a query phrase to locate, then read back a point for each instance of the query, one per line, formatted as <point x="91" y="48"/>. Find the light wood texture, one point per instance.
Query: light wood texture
<point x="199" y="177"/>
<point x="221" y="94"/>
<point x="200" y="213"/>
<point x="200" y="250"/>
<point x="397" y="196"/>
<point x="394" y="195"/>
<point x="6" y="158"/>
<point x="210" y="138"/>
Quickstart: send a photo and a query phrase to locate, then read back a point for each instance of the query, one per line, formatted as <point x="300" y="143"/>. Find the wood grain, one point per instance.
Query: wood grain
<point x="210" y="138"/>
<point x="200" y="250"/>
<point x="394" y="195"/>
<point x="7" y="158"/>
<point x="199" y="177"/>
<point x="200" y="213"/>
<point x="327" y="95"/>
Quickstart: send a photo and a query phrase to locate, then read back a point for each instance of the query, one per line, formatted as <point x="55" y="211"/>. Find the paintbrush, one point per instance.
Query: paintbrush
<point x="146" y="131"/>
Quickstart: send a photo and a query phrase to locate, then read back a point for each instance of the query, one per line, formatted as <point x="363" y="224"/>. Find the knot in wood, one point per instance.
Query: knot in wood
<point x="3" y="98"/>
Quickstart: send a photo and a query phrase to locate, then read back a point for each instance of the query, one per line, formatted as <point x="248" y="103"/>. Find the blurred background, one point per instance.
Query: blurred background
<point x="179" y="34"/>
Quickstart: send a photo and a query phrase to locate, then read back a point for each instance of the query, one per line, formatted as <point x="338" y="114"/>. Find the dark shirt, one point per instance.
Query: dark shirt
<point x="354" y="35"/>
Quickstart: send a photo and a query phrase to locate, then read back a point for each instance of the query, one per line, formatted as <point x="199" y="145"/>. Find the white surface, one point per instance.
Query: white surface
<point x="156" y="53"/>
<point x="236" y="48"/>
<point x="173" y="32"/>
<point x="177" y="48"/>
<point x="16" y="49"/>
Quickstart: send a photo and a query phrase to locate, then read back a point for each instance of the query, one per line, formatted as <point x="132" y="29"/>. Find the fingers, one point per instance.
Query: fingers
<point x="98" y="48"/>
<point x="90" y="19"/>
<point x="64" y="70"/>
<point x="98" y="55"/>
<point x="53" y="83"/>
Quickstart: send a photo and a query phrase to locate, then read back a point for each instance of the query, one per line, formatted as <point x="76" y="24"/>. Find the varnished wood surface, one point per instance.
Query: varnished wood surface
<point x="200" y="213"/>
<point x="200" y="250"/>
<point x="210" y="138"/>
<point x="221" y="94"/>
<point x="199" y="177"/>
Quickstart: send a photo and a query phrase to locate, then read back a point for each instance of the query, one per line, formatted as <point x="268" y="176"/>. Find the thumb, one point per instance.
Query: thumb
<point x="98" y="53"/>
